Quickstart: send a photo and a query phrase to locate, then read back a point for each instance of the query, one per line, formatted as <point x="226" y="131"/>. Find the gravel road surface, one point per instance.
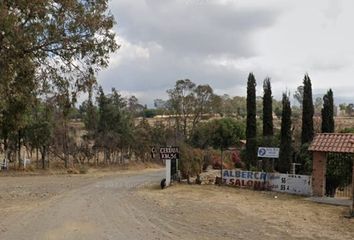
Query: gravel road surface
<point x="90" y="208"/>
<point x="130" y="205"/>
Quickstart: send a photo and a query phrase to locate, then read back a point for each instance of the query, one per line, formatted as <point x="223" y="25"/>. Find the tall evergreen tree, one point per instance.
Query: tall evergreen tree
<point x="267" y="109"/>
<point x="307" y="112"/>
<point x="327" y="113"/>
<point x="251" y="127"/>
<point x="285" y="155"/>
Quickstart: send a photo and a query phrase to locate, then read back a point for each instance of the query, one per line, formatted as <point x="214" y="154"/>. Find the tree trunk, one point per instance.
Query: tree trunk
<point x="48" y="161"/>
<point x="37" y="160"/>
<point x="5" y="148"/>
<point x="221" y="167"/>
<point x="65" y="144"/>
<point x="19" y="149"/>
<point x="43" y="153"/>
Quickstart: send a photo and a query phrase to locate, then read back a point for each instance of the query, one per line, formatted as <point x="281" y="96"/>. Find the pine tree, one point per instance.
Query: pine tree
<point x="327" y="113"/>
<point x="267" y="109"/>
<point x="285" y="155"/>
<point x="251" y="128"/>
<point x="307" y="112"/>
<point x="336" y="168"/>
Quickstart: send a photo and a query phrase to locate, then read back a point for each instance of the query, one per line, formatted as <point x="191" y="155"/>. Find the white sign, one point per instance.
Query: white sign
<point x="169" y="153"/>
<point x="294" y="184"/>
<point x="287" y="183"/>
<point x="266" y="152"/>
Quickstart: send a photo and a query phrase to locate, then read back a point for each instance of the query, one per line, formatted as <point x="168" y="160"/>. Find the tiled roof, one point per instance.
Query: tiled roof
<point x="333" y="142"/>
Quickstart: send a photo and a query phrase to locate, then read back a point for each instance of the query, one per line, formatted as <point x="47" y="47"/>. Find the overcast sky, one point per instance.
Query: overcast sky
<point x="218" y="42"/>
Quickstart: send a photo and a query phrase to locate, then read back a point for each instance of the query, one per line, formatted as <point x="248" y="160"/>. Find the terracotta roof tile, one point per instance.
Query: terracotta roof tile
<point x="333" y="142"/>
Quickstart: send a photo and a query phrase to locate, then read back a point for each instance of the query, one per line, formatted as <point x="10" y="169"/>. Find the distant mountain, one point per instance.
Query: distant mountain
<point x="337" y="100"/>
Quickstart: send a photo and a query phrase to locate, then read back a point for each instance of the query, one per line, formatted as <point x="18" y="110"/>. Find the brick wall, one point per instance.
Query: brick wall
<point x="352" y="208"/>
<point x="319" y="174"/>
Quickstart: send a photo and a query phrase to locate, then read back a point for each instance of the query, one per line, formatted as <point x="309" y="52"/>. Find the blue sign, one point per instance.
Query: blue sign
<point x="266" y="152"/>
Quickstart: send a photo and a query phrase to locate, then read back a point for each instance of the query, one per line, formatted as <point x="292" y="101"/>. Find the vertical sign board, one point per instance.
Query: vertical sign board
<point x="170" y="155"/>
<point x="287" y="183"/>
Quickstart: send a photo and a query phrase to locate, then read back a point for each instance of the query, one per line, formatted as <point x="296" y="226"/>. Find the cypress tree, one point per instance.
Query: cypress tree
<point x="327" y="113"/>
<point x="285" y="154"/>
<point x="267" y="109"/>
<point x="251" y="127"/>
<point x="307" y="112"/>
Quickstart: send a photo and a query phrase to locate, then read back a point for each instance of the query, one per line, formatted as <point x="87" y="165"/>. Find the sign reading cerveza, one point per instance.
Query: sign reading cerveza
<point x="167" y="153"/>
<point x="267" y="152"/>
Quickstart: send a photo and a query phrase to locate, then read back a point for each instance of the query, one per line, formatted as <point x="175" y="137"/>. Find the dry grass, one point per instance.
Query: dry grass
<point x="284" y="215"/>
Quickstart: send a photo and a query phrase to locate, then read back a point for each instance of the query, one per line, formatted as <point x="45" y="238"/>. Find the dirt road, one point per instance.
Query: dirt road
<point x="130" y="206"/>
<point x="77" y="208"/>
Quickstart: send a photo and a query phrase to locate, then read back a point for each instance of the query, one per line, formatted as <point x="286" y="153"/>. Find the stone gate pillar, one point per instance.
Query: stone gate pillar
<point x="319" y="174"/>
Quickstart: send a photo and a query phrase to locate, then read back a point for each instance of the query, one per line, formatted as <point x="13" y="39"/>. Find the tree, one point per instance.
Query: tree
<point x="318" y="106"/>
<point x="349" y="110"/>
<point x="62" y="38"/>
<point x="267" y="109"/>
<point x="327" y="113"/>
<point x="188" y="103"/>
<point x="90" y="119"/>
<point x="16" y="97"/>
<point x="251" y="126"/>
<point x="134" y="107"/>
<point x="339" y="166"/>
<point x="218" y="133"/>
<point x="56" y="43"/>
<point x="190" y="162"/>
<point x="38" y="135"/>
<point x="285" y="154"/>
<point x="114" y="133"/>
<point x="181" y="103"/>
<point x="299" y="95"/>
<point x="225" y="132"/>
<point x="338" y="171"/>
<point x="217" y="105"/>
<point x="307" y="112"/>
<point x="142" y="141"/>
<point x="202" y="103"/>
<point x="201" y="137"/>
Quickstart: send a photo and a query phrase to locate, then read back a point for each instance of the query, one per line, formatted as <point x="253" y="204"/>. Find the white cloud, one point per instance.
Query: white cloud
<point x="132" y="52"/>
<point x="219" y="41"/>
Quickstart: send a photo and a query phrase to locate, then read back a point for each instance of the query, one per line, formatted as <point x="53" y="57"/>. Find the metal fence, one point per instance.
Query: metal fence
<point x="339" y="175"/>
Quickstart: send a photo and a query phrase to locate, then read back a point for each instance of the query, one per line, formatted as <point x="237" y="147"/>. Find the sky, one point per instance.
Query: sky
<point x="218" y="42"/>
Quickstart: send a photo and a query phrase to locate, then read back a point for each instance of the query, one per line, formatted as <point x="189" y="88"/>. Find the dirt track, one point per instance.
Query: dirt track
<point x="130" y="206"/>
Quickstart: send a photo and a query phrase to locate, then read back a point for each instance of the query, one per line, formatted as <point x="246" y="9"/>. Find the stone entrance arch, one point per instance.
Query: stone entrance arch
<point x="321" y="145"/>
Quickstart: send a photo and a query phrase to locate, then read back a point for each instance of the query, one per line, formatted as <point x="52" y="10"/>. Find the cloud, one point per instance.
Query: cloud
<point x="163" y="41"/>
<point x="195" y="29"/>
<point x="218" y="42"/>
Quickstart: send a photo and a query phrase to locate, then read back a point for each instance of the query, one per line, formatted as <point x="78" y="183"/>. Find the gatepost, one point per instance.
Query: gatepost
<point x="168" y="172"/>
<point x="352" y="207"/>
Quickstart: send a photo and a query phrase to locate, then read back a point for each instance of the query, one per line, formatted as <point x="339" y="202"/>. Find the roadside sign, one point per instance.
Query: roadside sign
<point x="167" y="153"/>
<point x="266" y="152"/>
